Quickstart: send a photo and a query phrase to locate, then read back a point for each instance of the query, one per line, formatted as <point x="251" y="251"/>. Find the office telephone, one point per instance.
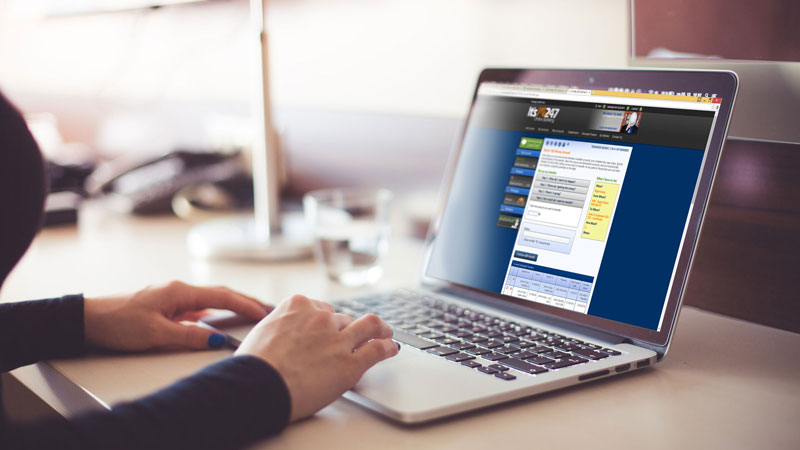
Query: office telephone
<point x="148" y="188"/>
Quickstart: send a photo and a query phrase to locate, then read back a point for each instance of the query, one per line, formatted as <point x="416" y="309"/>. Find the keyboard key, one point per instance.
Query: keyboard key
<point x="506" y="349"/>
<point x="414" y="341"/>
<point x="610" y="352"/>
<point x="519" y="332"/>
<point x="524" y="344"/>
<point x="459" y="357"/>
<point x="523" y="366"/>
<point x="493" y="344"/>
<point x="568" y="347"/>
<point x="471" y="364"/>
<point x="449" y="318"/>
<point x="494" y="356"/>
<point x="463" y="334"/>
<point x="540" y="360"/>
<point x="493" y="333"/>
<point x="476" y="338"/>
<point x="488" y="370"/>
<point x="449" y="329"/>
<point x="442" y="351"/>
<point x="498" y="367"/>
<point x="446" y="340"/>
<point x="463" y="346"/>
<point x="523" y="355"/>
<point x="538" y="337"/>
<point x="555" y="354"/>
<point x="509" y="339"/>
<point x="478" y="351"/>
<point x="591" y="354"/>
<point x="431" y="335"/>
<point x="565" y="363"/>
<point x="505" y="376"/>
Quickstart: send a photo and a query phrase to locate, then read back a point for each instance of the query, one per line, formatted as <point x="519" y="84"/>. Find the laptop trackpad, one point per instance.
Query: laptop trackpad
<point x="415" y="382"/>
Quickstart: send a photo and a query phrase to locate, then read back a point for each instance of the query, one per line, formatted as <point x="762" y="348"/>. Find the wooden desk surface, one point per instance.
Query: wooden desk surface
<point x="725" y="383"/>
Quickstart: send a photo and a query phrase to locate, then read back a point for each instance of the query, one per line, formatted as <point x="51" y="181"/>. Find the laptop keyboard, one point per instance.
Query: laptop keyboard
<point x="477" y="341"/>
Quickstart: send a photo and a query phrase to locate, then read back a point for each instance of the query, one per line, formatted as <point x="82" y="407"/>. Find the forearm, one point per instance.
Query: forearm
<point x="226" y="406"/>
<point x="42" y="329"/>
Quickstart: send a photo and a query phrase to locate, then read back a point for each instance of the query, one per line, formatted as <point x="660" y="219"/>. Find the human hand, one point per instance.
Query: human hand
<point x="150" y="318"/>
<point x="319" y="353"/>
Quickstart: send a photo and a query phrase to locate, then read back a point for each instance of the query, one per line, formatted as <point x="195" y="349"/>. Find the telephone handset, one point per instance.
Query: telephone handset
<point x="148" y="188"/>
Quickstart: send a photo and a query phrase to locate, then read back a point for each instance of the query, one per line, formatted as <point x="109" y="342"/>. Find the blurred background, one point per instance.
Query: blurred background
<point x="146" y="81"/>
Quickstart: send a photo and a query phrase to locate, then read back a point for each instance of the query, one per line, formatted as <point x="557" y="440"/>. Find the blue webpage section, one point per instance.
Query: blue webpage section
<point x="643" y="241"/>
<point x="551" y="271"/>
<point x="518" y="171"/>
<point x="517" y="190"/>
<point x="526" y="152"/>
<point x="512" y="209"/>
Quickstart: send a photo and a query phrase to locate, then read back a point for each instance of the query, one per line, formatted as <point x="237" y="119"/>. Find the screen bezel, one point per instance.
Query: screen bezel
<point x="722" y="83"/>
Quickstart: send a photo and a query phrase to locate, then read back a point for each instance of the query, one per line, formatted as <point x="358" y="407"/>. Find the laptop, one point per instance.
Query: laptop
<point x="569" y="215"/>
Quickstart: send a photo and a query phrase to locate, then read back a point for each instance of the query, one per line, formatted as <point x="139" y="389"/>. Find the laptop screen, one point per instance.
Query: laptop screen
<point x="577" y="199"/>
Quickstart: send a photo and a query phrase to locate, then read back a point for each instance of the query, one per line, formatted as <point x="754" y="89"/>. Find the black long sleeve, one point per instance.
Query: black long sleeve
<point x="41" y="329"/>
<point x="225" y="406"/>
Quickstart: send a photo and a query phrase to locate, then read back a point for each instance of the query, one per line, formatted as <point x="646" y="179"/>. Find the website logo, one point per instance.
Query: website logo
<point x="543" y="112"/>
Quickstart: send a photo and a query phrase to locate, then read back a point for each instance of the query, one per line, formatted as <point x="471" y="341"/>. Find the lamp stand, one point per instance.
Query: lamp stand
<point x="265" y="236"/>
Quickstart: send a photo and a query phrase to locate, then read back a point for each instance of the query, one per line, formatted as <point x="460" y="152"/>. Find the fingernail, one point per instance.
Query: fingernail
<point x="398" y="346"/>
<point x="217" y="340"/>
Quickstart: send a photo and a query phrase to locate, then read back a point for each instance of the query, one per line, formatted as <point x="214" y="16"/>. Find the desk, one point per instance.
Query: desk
<point x="725" y="384"/>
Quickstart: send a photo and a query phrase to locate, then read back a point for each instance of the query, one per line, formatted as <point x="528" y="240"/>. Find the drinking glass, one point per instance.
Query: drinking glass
<point x="351" y="231"/>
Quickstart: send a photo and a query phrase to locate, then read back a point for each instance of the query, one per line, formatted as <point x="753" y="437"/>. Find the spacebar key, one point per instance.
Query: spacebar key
<point x="414" y="341"/>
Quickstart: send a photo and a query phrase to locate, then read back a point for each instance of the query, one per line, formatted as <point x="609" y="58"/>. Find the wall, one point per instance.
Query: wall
<point x="144" y="82"/>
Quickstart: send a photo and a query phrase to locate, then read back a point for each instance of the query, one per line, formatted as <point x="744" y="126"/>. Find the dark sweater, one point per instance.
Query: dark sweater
<point x="225" y="406"/>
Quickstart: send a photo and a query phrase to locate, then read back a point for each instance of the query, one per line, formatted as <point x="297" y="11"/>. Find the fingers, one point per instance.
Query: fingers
<point x="366" y="328"/>
<point x="374" y="352"/>
<point x="190" y="336"/>
<point x="323" y="306"/>
<point x="342" y="320"/>
<point x="191" y="316"/>
<point x="301" y="301"/>
<point x="189" y="298"/>
<point x="264" y="306"/>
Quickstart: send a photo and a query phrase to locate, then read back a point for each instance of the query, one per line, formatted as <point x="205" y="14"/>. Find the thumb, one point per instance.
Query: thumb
<point x="193" y="336"/>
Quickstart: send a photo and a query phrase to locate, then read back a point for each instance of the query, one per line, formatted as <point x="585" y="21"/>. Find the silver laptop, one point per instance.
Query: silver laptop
<point x="563" y="243"/>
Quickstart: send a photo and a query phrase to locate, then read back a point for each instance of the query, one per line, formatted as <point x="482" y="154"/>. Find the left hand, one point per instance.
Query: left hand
<point x="150" y="318"/>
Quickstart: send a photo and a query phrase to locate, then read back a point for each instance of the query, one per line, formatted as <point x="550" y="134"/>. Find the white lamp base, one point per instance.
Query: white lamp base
<point x="236" y="239"/>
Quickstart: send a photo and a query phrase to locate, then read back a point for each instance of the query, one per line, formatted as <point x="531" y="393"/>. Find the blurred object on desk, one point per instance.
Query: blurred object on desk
<point x="148" y="187"/>
<point x="65" y="192"/>
<point x="749" y="250"/>
<point x="208" y="201"/>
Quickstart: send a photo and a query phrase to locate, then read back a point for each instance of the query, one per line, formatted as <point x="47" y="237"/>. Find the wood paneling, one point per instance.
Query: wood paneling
<point x="747" y="260"/>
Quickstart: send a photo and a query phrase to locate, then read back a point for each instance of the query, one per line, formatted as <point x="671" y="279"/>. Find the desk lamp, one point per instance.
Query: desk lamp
<point x="267" y="236"/>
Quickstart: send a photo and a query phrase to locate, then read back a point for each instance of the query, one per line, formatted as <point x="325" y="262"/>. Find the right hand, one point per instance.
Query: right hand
<point x="319" y="353"/>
